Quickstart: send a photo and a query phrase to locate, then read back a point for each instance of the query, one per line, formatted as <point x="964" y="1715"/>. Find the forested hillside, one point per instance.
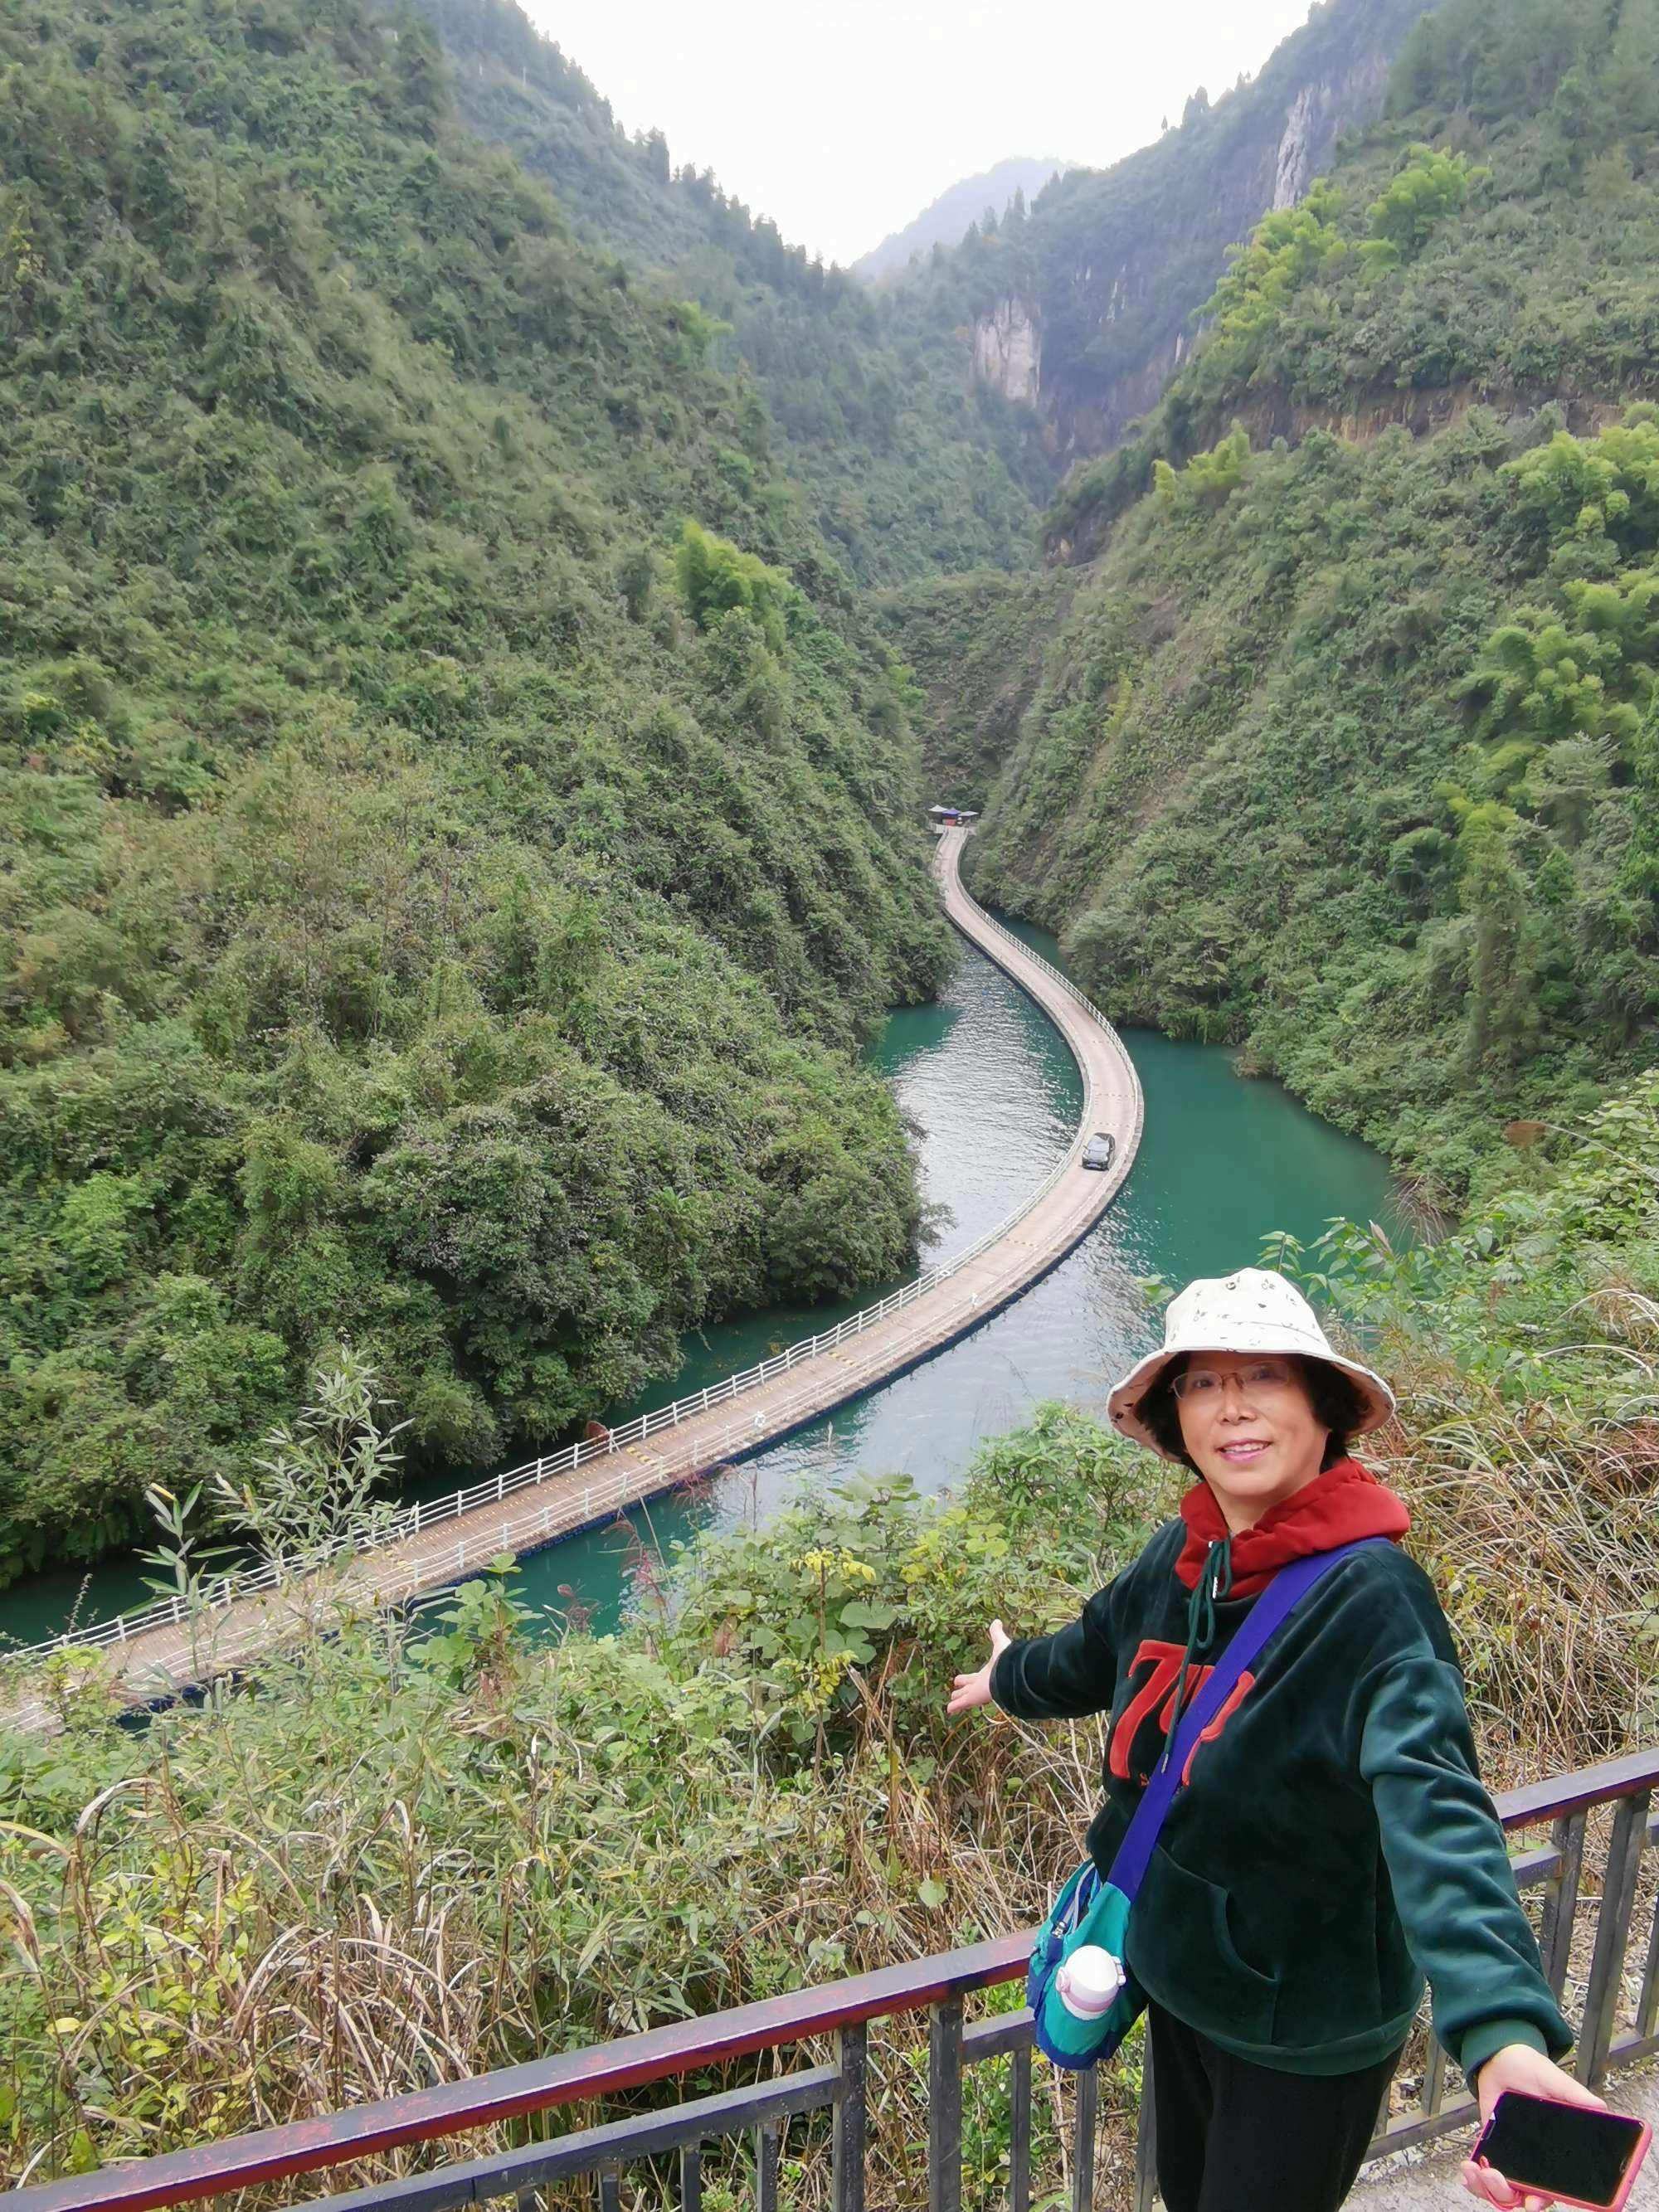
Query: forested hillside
<point x="912" y="466"/>
<point x="457" y="820"/>
<point x="1347" y="749"/>
<point x="975" y="646"/>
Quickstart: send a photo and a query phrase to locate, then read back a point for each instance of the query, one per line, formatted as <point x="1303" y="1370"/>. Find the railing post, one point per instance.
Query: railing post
<point x="945" y="2106"/>
<point x="691" y="2177"/>
<point x="1561" y="1899"/>
<point x="1019" y="2129"/>
<point x="1431" y="2097"/>
<point x="1083" y="2149"/>
<point x="850" y="2125"/>
<point x="610" y="2186"/>
<point x="1145" y="2135"/>
<point x="766" y="2167"/>
<point x="1630" y="1822"/>
<point x="1647" y="1998"/>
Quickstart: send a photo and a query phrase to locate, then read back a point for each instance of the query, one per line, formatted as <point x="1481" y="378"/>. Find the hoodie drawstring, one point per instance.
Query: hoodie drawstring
<point x="1212" y="1587"/>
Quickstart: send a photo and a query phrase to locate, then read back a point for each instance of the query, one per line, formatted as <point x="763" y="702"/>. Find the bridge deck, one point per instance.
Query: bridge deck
<point x="161" y="1659"/>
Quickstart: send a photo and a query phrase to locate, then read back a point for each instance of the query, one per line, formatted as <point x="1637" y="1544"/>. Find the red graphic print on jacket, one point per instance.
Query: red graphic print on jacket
<point x="1165" y="1660"/>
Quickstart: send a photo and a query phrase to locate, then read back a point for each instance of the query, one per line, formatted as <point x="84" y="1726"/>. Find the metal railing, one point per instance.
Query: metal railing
<point x="1618" y="2021"/>
<point x="411" y="1520"/>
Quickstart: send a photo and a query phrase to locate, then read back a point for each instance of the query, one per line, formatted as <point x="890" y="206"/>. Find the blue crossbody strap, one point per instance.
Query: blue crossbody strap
<point x="1288" y="1587"/>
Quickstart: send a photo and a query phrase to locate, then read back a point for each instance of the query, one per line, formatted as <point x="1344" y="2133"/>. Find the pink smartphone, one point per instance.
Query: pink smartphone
<point x="1570" y="2152"/>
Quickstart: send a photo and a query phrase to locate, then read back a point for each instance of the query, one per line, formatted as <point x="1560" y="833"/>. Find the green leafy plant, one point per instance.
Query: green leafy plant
<point x="320" y="1485"/>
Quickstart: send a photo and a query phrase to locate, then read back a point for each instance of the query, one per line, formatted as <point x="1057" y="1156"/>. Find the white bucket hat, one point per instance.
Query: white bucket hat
<point x="1254" y="1311"/>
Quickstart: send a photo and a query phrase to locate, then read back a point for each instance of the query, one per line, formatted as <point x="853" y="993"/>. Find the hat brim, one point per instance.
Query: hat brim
<point x="1124" y="1402"/>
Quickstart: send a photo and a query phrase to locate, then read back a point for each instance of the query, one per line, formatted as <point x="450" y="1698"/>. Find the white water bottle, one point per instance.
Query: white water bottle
<point x="1088" y="1983"/>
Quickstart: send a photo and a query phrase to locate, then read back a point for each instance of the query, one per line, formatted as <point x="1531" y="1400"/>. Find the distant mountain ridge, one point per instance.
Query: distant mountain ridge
<point x="945" y="221"/>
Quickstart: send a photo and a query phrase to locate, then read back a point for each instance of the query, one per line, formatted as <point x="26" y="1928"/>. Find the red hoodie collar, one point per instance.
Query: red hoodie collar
<point x="1338" y="1506"/>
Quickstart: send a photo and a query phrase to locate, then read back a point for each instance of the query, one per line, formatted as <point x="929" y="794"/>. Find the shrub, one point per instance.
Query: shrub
<point x="715" y="578"/>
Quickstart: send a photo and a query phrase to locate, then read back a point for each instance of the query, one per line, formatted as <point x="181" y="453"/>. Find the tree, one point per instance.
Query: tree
<point x="637" y="575"/>
<point x="1584" y="489"/>
<point x="1493" y="891"/>
<point x="1428" y="188"/>
<point x="715" y="576"/>
<point x="320" y="1488"/>
<point x="420" y="81"/>
<point x="1209" y="479"/>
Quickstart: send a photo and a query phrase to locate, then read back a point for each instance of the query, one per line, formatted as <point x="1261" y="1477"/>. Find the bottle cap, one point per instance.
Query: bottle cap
<point x="1090" y="1980"/>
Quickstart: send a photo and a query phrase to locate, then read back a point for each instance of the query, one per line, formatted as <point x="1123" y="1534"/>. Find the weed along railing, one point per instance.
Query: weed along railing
<point x="1586" y="1954"/>
<point x="610" y="1489"/>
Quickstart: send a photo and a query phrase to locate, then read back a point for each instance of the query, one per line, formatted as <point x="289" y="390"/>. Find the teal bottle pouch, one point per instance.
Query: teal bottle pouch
<point x="1091" y="1909"/>
<point x="1087" y="1911"/>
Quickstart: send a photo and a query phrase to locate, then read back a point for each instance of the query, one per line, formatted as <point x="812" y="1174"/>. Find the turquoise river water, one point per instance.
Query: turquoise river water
<point x="994" y="1097"/>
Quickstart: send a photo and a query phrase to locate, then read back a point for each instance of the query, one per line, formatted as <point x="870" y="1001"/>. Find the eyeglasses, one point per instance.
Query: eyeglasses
<point x="1205" y="1387"/>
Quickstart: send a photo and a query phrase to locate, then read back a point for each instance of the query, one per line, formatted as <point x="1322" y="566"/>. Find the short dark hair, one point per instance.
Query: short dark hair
<point x="1338" y="1405"/>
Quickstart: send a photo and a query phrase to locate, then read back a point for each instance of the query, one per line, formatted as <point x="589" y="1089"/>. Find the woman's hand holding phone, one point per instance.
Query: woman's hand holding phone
<point x="1518" y="2067"/>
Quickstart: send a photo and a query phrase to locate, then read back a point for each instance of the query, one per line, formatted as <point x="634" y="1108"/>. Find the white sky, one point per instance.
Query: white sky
<point x="842" y="121"/>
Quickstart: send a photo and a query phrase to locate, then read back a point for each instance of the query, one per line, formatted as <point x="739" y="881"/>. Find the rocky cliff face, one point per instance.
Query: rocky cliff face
<point x="1120" y="258"/>
<point x="1008" y="352"/>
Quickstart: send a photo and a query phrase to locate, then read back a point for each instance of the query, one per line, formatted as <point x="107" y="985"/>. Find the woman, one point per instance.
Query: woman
<point x="1332" y="1844"/>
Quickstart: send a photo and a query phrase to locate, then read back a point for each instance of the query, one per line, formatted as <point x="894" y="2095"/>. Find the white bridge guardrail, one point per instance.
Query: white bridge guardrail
<point x="415" y="1518"/>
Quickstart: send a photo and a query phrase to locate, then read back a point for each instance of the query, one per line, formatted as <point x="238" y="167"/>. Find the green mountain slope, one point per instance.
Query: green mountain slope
<point x="976" y="647"/>
<point x="943" y="222"/>
<point x="911" y="465"/>
<point x="424" y="916"/>
<point x="1347" y="749"/>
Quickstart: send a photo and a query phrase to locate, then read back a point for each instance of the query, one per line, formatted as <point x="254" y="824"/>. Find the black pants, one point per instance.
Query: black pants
<point x="1233" y="2136"/>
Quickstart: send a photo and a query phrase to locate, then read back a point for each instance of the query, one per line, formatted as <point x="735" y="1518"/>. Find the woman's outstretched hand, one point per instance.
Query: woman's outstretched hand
<point x="973" y="1690"/>
<point x="1517" y="2066"/>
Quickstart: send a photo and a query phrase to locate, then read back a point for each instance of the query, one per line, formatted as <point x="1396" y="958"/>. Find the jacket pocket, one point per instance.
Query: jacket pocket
<point x="1181" y="1949"/>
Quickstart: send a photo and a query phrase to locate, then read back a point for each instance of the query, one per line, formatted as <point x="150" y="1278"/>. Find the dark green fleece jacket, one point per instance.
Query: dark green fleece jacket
<point x="1333" y="1843"/>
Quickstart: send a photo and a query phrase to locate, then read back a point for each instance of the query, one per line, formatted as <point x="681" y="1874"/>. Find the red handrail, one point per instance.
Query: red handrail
<point x="541" y="2084"/>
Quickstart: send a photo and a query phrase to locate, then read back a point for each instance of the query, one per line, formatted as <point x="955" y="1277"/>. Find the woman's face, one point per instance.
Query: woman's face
<point x="1248" y="1424"/>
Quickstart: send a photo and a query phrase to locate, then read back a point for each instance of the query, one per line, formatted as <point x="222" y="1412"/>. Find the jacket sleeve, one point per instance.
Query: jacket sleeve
<point x="1449" y="1868"/>
<point x="1063" y="1676"/>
